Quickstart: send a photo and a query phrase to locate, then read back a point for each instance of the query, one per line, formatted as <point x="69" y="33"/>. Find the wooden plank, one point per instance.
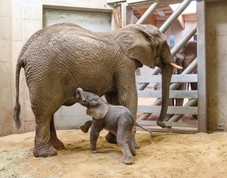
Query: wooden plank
<point x="171" y="109"/>
<point x="173" y="93"/>
<point x="183" y="78"/>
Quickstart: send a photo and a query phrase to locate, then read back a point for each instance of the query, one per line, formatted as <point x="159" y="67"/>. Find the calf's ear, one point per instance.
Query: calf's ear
<point x="98" y="111"/>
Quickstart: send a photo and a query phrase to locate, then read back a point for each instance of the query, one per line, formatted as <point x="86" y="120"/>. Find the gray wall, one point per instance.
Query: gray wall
<point x="5" y="69"/>
<point x="216" y="41"/>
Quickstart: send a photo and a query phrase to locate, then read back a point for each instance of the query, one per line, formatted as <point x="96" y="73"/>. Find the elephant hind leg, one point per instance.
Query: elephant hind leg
<point x="54" y="140"/>
<point x="131" y="145"/>
<point x="124" y="141"/>
<point x="43" y="147"/>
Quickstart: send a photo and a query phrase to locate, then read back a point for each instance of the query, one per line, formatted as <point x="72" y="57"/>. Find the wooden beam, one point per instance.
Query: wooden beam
<point x="151" y="19"/>
<point x="181" y="21"/>
<point x="190" y="17"/>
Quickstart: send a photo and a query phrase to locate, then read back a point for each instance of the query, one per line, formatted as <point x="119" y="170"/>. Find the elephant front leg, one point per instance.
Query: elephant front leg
<point x="54" y="140"/>
<point x="111" y="98"/>
<point x="129" y="99"/>
<point x="42" y="146"/>
<point x="94" y="134"/>
<point x="84" y="128"/>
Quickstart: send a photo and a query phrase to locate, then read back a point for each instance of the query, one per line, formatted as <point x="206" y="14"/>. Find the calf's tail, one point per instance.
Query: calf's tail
<point x="137" y="124"/>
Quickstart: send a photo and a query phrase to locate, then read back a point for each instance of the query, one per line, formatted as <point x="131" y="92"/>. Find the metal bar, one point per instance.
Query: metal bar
<point x="188" y="70"/>
<point x="177" y="117"/>
<point x="149" y="123"/>
<point x="171" y="109"/>
<point x="185" y="78"/>
<point x="172" y="94"/>
<point x="115" y="1"/>
<point x="202" y="81"/>
<point x="174" y="50"/>
<point x="124" y="14"/>
<point x="148" y="12"/>
<point x="175" y="15"/>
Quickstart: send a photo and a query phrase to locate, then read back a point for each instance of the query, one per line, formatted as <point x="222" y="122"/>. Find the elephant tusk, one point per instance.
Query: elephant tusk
<point x="176" y="66"/>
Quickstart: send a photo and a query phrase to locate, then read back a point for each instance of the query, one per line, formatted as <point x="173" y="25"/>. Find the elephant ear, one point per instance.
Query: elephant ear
<point x="137" y="44"/>
<point x="99" y="110"/>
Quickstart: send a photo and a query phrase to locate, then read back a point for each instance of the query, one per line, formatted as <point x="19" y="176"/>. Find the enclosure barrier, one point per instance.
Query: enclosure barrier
<point x="154" y="78"/>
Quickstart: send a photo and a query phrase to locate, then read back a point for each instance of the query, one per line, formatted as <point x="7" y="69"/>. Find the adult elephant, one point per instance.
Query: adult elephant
<point x="60" y="58"/>
<point x="184" y="58"/>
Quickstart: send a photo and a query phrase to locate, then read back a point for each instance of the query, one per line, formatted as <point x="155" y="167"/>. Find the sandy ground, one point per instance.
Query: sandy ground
<point x="164" y="155"/>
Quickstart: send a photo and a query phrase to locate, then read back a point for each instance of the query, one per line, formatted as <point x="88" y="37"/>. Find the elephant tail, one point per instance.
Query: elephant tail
<point x="16" y="109"/>
<point x="142" y="127"/>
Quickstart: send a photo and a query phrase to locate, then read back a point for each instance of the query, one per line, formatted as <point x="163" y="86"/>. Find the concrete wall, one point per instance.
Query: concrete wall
<point x="216" y="36"/>
<point x="5" y="68"/>
<point x="19" y="19"/>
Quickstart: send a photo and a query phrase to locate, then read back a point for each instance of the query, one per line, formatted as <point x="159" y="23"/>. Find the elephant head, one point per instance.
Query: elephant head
<point x="96" y="107"/>
<point x="147" y="45"/>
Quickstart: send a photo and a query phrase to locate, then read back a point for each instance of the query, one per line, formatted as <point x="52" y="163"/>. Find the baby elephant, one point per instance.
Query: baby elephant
<point x="116" y="119"/>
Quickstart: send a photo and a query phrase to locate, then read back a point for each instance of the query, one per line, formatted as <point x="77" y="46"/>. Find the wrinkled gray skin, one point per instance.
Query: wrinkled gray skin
<point x="184" y="58"/>
<point x="116" y="119"/>
<point x="60" y="58"/>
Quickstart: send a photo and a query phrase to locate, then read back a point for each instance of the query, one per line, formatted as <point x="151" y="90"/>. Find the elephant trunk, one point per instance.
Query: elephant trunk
<point x="80" y="94"/>
<point x="167" y="71"/>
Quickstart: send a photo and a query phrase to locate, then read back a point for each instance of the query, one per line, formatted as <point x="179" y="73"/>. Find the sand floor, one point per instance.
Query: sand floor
<point x="164" y="155"/>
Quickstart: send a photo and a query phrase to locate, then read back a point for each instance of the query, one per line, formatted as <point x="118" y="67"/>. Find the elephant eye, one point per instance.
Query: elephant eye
<point x="165" y="45"/>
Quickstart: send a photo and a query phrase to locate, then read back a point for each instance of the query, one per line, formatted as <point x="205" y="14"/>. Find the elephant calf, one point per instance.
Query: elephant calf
<point x="116" y="119"/>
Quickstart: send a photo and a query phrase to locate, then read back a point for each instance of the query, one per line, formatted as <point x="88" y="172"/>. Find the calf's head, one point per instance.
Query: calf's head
<point x="96" y="107"/>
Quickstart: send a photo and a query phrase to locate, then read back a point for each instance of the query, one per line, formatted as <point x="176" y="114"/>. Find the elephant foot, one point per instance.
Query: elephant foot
<point x="133" y="152"/>
<point x="111" y="138"/>
<point x="136" y="144"/>
<point x="163" y="125"/>
<point x="128" y="160"/>
<point x="57" y="144"/>
<point x="45" y="151"/>
<point x="94" y="151"/>
<point x="84" y="128"/>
